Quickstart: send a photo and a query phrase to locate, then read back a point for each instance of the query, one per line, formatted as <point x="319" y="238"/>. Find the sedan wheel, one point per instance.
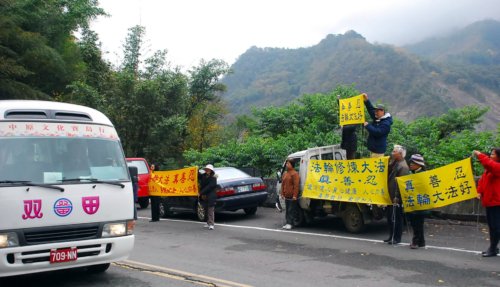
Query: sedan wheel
<point x="200" y="212"/>
<point x="165" y="209"/>
<point x="250" y="210"/>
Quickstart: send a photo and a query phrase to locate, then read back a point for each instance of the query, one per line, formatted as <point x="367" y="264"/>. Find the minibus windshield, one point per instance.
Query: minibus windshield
<point x="52" y="160"/>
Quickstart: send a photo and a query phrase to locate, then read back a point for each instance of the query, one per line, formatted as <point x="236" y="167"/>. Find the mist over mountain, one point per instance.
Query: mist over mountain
<point x="426" y="78"/>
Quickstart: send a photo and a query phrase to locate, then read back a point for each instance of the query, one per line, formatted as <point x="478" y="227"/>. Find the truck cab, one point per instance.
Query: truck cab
<point x="354" y="215"/>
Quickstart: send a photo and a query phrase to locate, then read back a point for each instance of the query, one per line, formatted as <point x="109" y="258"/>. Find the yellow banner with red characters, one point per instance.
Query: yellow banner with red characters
<point x="180" y="182"/>
<point x="361" y="180"/>
<point x="351" y="111"/>
<point x="438" y="187"/>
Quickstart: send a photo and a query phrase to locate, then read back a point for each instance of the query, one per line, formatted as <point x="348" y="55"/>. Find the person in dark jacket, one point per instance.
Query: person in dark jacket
<point x="397" y="167"/>
<point x="208" y="195"/>
<point x="349" y="140"/>
<point x="417" y="164"/>
<point x="488" y="189"/>
<point x="155" y="200"/>
<point x="378" y="129"/>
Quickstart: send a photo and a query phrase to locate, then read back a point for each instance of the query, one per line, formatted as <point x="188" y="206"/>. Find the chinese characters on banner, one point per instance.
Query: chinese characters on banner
<point x="181" y="182"/>
<point x="351" y="111"/>
<point x="362" y="180"/>
<point x="438" y="187"/>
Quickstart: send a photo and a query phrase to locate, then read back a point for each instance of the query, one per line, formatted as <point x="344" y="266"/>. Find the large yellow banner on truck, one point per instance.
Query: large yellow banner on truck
<point x="438" y="187"/>
<point x="351" y="111"/>
<point x="180" y="182"/>
<point x="361" y="180"/>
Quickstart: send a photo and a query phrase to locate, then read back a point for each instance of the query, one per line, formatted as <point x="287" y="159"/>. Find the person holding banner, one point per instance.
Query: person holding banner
<point x="397" y="167"/>
<point x="489" y="192"/>
<point x="378" y="129"/>
<point x="208" y="195"/>
<point x="155" y="200"/>
<point x="290" y="191"/>
<point x="417" y="164"/>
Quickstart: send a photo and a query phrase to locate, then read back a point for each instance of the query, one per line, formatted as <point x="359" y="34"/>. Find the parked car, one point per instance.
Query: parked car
<point x="144" y="174"/>
<point x="235" y="190"/>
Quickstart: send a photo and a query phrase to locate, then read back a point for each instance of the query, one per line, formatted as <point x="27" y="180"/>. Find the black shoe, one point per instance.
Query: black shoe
<point x="154" y="220"/>
<point x="394" y="242"/>
<point x="489" y="251"/>
<point x="387" y="240"/>
<point x="489" y="254"/>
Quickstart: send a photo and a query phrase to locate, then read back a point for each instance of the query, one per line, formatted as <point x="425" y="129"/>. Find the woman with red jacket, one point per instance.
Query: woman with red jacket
<point x="489" y="192"/>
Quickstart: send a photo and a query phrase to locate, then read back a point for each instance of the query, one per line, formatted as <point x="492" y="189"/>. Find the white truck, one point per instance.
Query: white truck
<point x="354" y="215"/>
<point x="66" y="197"/>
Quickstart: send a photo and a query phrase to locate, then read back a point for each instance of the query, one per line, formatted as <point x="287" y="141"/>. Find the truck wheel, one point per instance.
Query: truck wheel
<point x="143" y="202"/>
<point x="200" y="212"/>
<point x="98" y="268"/>
<point x="250" y="210"/>
<point x="165" y="209"/>
<point x="353" y="219"/>
<point x="298" y="218"/>
<point x="308" y="217"/>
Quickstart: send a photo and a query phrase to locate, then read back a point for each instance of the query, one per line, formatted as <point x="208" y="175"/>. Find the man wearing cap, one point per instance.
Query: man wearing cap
<point x="378" y="129"/>
<point x="416" y="218"/>
<point x="208" y="194"/>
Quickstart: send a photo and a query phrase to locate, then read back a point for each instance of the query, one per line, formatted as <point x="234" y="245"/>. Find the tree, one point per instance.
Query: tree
<point x="38" y="53"/>
<point x="205" y="107"/>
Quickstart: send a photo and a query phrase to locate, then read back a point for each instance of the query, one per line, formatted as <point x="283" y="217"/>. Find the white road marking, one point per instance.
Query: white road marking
<point x="318" y="235"/>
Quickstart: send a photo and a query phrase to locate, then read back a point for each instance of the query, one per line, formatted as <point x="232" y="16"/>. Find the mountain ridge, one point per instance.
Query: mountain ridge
<point x="411" y="84"/>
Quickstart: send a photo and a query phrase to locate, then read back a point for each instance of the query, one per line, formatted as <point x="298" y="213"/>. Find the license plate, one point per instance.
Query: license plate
<point x="63" y="255"/>
<point x="244" y="188"/>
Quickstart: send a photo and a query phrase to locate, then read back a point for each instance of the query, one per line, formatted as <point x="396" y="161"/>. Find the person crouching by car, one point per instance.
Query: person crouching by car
<point x="290" y="191"/>
<point x="208" y="184"/>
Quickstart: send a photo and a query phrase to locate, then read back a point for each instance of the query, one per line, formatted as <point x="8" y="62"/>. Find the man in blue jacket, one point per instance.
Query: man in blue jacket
<point x="378" y="129"/>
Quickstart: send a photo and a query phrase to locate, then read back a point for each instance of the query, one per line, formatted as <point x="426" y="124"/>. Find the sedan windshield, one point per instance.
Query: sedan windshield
<point x="52" y="160"/>
<point x="141" y="166"/>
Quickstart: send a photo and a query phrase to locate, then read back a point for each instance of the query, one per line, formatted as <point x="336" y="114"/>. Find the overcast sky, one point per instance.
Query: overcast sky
<point x="224" y="29"/>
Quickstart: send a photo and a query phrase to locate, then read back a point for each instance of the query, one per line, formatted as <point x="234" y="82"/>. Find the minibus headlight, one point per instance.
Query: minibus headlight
<point x="9" y="239"/>
<point x="114" y="229"/>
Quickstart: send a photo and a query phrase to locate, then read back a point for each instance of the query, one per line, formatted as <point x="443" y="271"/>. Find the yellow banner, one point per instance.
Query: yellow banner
<point x="181" y="182"/>
<point x="438" y="187"/>
<point x="361" y="180"/>
<point x="351" y="111"/>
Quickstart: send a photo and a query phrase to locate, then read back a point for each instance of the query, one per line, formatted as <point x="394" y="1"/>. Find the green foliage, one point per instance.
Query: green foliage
<point x="38" y="52"/>
<point x="444" y="139"/>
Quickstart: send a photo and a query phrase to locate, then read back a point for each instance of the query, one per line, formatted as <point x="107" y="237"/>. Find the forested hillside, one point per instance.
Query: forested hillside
<point x="412" y="86"/>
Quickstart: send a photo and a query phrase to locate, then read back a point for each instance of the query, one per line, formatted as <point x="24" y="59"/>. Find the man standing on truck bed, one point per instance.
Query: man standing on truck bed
<point x="290" y="191"/>
<point x="378" y="129"/>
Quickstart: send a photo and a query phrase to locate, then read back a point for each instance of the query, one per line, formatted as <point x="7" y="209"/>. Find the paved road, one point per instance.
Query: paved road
<point x="254" y="251"/>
